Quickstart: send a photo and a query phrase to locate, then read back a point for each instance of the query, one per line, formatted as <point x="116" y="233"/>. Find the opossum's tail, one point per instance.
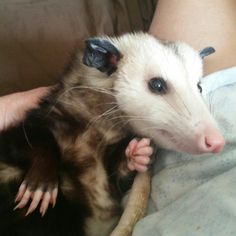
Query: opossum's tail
<point x="136" y="205"/>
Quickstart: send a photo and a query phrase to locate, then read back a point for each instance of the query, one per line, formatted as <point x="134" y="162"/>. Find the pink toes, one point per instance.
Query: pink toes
<point x="39" y="198"/>
<point x="138" y="154"/>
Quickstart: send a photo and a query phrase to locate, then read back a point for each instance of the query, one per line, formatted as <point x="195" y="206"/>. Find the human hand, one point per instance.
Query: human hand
<point x="13" y="107"/>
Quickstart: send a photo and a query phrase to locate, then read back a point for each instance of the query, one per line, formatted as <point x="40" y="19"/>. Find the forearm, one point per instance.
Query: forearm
<point x="200" y="23"/>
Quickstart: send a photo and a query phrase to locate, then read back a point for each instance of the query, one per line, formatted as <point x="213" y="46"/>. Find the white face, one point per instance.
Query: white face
<point x="157" y="86"/>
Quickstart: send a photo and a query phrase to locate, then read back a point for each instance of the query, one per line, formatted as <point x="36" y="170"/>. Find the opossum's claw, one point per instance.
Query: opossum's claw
<point x="24" y="199"/>
<point x="46" y="197"/>
<point x="138" y="154"/>
<point x="45" y="203"/>
<point x="21" y="192"/>
<point x="37" y="196"/>
<point x="54" y="197"/>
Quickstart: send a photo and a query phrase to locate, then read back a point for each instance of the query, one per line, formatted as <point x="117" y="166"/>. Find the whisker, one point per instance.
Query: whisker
<point x="124" y="123"/>
<point x="108" y="112"/>
<point x="26" y="136"/>
<point x="211" y="107"/>
<point x="150" y="128"/>
<point x="185" y="106"/>
<point x="130" y="118"/>
<point x="173" y="107"/>
<point x="107" y="103"/>
<point x="101" y="90"/>
<point x="100" y="144"/>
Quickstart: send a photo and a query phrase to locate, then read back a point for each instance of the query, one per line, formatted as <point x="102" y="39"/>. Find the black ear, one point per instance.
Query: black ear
<point x="206" y="51"/>
<point x="101" y="54"/>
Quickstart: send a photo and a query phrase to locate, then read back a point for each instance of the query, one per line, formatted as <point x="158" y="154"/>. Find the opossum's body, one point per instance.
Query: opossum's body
<point x="87" y="155"/>
<point x="80" y="132"/>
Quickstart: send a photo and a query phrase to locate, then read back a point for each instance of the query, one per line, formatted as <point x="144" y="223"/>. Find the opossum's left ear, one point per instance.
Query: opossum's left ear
<point x="101" y="54"/>
<point x="206" y="51"/>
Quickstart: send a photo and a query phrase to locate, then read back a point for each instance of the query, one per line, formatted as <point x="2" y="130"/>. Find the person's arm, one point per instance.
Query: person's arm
<point x="200" y="23"/>
<point x="13" y="107"/>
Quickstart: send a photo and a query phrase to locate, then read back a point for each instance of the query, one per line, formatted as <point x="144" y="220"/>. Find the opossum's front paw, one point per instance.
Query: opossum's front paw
<point x="138" y="154"/>
<point x="40" y="196"/>
<point x="40" y="191"/>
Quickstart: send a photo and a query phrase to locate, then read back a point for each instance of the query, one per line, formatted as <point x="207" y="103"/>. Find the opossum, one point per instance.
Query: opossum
<point x="75" y="143"/>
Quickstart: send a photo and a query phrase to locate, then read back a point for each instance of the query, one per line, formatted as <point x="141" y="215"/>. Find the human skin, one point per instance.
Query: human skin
<point x="200" y="23"/>
<point x="13" y="107"/>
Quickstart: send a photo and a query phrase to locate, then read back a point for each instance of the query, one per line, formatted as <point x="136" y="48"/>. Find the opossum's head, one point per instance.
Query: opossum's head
<point x="157" y="85"/>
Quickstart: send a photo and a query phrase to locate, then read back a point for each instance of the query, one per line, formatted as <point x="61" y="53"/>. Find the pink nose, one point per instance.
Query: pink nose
<point x="214" y="143"/>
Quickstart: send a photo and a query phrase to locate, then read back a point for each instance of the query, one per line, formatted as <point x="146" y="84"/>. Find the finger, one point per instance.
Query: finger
<point x="131" y="147"/>
<point x="21" y="192"/>
<point x="45" y="203"/>
<point x="127" y="152"/>
<point x="143" y="142"/>
<point x="35" y="201"/>
<point x="54" y="197"/>
<point x="140" y="168"/>
<point x="131" y="166"/>
<point x="142" y="160"/>
<point x="24" y="199"/>
<point x="144" y="151"/>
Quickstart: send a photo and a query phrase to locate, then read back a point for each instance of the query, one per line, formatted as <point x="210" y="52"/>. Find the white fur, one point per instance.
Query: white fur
<point x="177" y="120"/>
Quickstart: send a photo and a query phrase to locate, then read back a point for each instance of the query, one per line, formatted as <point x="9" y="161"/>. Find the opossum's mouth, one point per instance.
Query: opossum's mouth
<point x="170" y="141"/>
<point x="165" y="134"/>
<point x="166" y="140"/>
<point x="191" y="145"/>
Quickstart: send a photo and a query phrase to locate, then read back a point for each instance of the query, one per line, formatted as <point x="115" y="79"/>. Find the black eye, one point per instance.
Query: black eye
<point x="199" y="87"/>
<point x="157" y="85"/>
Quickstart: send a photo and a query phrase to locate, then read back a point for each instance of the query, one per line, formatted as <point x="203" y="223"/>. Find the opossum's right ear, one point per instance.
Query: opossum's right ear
<point x="206" y="51"/>
<point x="102" y="55"/>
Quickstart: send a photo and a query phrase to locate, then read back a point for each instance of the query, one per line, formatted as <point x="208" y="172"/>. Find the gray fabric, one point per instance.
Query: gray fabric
<point x="196" y="195"/>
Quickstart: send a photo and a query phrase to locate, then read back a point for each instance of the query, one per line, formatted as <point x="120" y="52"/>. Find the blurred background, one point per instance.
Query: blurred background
<point x="38" y="36"/>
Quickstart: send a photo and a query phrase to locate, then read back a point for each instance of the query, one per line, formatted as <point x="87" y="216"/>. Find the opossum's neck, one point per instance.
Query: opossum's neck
<point x="96" y="108"/>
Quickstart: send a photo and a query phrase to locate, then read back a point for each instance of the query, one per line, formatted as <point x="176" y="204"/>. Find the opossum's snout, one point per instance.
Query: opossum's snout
<point x="203" y="138"/>
<point x="210" y="142"/>
<point x="199" y="140"/>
